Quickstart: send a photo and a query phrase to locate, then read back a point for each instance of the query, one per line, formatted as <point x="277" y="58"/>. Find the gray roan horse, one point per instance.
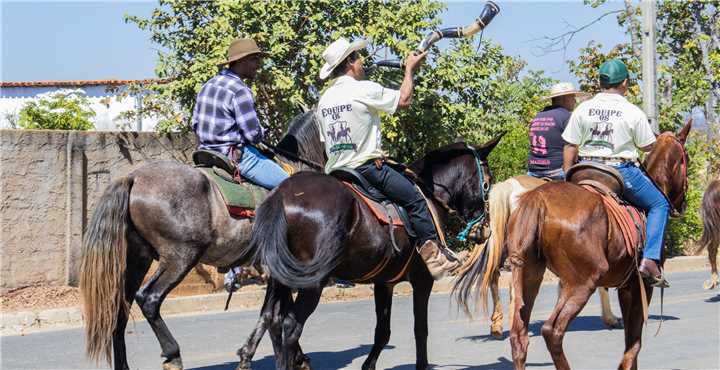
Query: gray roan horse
<point x="172" y="213"/>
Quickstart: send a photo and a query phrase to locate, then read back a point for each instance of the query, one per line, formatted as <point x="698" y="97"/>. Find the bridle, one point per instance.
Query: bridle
<point x="674" y="211"/>
<point x="484" y="192"/>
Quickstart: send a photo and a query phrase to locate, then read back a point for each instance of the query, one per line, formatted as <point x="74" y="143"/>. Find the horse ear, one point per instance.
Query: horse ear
<point x="485" y="149"/>
<point x="683" y="134"/>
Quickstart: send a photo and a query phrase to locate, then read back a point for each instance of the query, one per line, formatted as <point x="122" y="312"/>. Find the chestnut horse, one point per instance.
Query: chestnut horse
<point x="711" y="229"/>
<point x="312" y="228"/>
<point x="502" y="202"/>
<point x="172" y="213"/>
<point x="563" y="227"/>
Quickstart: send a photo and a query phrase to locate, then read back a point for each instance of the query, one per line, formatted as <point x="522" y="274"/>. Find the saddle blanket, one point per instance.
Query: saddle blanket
<point x="241" y="199"/>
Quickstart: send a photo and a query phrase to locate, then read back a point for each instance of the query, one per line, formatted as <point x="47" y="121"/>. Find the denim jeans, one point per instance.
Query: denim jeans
<point x="641" y="192"/>
<point x="557" y="174"/>
<point x="259" y="169"/>
<point x="400" y="190"/>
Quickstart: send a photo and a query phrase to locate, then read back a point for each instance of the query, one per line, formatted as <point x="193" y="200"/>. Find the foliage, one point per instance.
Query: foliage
<point x="591" y="57"/>
<point x="58" y="110"/>
<point x="294" y="33"/>
<point x="459" y="93"/>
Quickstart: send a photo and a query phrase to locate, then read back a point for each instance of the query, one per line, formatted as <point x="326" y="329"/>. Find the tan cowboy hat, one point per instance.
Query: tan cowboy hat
<point x="240" y="48"/>
<point x="563" y="88"/>
<point x="337" y="52"/>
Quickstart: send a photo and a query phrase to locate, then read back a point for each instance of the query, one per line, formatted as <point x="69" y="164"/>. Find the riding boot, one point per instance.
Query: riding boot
<point x="650" y="270"/>
<point x="435" y="260"/>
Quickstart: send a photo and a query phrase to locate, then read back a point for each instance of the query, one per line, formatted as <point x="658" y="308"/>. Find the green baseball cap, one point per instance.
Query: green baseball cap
<point x="613" y="71"/>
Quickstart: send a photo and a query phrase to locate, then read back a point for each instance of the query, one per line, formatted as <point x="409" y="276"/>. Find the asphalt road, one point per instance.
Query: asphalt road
<point x="339" y="335"/>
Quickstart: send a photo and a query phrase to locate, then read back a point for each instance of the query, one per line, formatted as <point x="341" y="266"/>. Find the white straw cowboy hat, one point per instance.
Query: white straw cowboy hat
<point x="337" y="52"/>
<point x="240" y="48"/>
<point x="563" y="88"/>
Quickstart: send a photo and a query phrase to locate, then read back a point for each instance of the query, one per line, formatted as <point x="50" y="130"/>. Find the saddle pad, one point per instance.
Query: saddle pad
<point x="240" y="199"/>
<point x="630" y="220"/>
<point x="380" y="211"/>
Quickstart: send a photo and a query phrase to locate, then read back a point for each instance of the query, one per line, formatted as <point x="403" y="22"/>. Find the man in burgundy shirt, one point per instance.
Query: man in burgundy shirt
<point x="545" y="158"/>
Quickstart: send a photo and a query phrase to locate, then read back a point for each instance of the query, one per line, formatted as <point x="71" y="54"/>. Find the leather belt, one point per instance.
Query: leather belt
<point x="608" y="161"/>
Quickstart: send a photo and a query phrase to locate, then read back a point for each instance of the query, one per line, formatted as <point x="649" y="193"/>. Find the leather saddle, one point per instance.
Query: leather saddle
<point x="599" y="175"/>
<point x="607" y="182"/>
<point x="384" y="210"/>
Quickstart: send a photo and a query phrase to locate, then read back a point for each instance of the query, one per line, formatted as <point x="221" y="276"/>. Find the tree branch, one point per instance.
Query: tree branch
<point x="553" y="44"/>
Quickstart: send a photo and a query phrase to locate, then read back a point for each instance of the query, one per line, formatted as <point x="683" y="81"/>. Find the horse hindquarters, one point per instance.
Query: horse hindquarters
<point x="711" y="230"/>
<point x="527" y="272"/>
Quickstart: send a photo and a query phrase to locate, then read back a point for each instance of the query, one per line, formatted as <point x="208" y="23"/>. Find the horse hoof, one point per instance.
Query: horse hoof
<point x="243" y="366"/>
<point x="497" y="333"/>
<point x="710" y="284"/>
<point x="175" y="364"/>
<point x="305" y="364"/>
<point x="614" y="324"/>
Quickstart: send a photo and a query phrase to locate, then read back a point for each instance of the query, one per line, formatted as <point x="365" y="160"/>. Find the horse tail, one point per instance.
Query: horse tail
<point x="269" y="241"/>
<point x="487" y="256"/>
<point x="102" y="269"/>
<point x="711" y="217"/>
<point x="525" y="221"/>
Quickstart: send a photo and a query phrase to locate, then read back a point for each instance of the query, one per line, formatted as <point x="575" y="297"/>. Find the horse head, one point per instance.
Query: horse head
<point x="667" y="165"/>
<point x="459" y="176"/>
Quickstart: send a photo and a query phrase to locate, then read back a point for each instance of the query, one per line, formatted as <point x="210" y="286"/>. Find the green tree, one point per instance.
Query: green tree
<point x="460" y="93"/>
<point x="57" y="110"/>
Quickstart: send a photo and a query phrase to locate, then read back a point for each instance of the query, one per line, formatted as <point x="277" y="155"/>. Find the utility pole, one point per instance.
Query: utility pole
<point x="649" y="76"/>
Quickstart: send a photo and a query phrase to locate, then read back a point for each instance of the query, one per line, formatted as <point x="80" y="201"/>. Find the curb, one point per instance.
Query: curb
<point x="24" y="322"/>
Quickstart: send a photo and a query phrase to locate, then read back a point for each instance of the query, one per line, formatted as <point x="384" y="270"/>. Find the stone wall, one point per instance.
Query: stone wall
<point x="50" y="182"/>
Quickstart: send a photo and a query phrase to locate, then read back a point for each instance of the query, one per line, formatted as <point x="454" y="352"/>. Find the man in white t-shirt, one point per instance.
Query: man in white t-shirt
<point x="609" y="129"/>
<point x="349" y="115"/>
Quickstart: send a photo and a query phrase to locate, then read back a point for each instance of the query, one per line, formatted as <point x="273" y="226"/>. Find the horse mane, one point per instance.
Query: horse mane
<point x="303" y="138"/>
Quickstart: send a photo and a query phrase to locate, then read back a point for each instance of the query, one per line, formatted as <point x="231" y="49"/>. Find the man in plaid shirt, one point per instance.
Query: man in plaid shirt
<point x="224" y="117"/>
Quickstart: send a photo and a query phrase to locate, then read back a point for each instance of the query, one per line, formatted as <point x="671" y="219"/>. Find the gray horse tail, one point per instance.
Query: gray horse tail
<point x="102" y="271"/>
<point x="269" y="241"/>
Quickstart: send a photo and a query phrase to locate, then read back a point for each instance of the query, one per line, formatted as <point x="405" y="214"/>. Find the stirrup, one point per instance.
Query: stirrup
<point x="655" y="281"/>
<point x="449" y="253"/>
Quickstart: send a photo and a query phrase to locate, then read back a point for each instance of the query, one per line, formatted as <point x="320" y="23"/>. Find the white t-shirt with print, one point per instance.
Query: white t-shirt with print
<point x="608" y="126"/>
<point x="348" y="113"/>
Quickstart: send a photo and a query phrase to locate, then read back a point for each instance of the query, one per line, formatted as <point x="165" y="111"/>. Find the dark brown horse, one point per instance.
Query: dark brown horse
<point x="312" y="227"/>
<point x="711" y="229"/>
<point x="168" y="212"/>
<point x="563" y="227"/>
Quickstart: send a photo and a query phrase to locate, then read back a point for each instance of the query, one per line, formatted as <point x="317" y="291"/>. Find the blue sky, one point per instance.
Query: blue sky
<point x="89" y="40"/>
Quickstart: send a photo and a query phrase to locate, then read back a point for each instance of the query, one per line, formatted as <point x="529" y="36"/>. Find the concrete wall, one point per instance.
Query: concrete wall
<point x="50" y="182"/>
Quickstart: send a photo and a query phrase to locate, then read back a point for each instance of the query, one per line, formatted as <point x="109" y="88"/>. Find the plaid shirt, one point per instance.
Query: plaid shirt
<point x="224" y="115"/>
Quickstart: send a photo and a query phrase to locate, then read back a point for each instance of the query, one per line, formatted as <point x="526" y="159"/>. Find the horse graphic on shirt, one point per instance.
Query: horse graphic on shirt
<point x="341" y="135"/>
<point x="601" y="135"/>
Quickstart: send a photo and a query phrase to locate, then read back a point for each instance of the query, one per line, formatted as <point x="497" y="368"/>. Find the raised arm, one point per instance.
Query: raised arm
<point x="412" y="62"/>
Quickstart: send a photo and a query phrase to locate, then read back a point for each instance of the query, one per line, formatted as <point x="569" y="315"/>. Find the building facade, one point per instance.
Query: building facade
<point x="106" y="98"/>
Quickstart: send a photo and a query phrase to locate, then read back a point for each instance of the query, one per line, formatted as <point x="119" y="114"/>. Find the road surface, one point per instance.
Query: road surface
<point x="338" y="336"/>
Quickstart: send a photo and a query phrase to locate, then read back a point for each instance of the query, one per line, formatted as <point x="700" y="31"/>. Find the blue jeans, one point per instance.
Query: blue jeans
<point x="557" y="174"/>
<point x="641" y="192"/>
<point x="259" y="169"/>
